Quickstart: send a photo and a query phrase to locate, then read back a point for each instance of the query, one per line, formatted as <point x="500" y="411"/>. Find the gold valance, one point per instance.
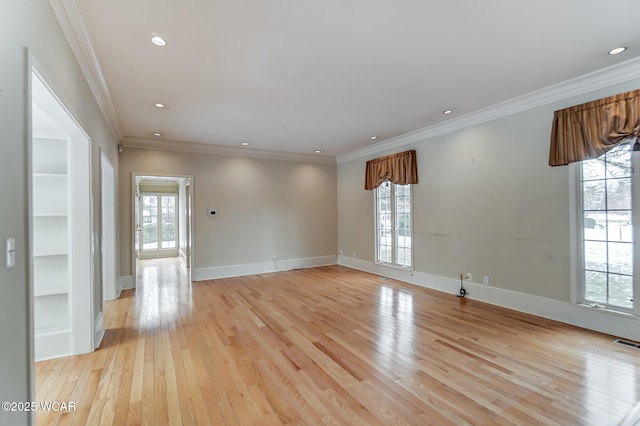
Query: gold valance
<point x="400" y="168"/>
<point x="589" y="130"/>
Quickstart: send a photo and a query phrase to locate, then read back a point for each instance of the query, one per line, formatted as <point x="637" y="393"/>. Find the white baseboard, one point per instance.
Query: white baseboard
<point x="261" y="268"/>
<point x="614" y="323"/>
<point x="160" y="254"/>
<point x="124" y="282"/>
<point x="98" y="331"/>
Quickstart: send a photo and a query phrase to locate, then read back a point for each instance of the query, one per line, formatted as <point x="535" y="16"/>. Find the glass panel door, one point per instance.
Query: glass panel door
<point x="168" y="222"/>
<point x="159" y="222"/>
<point x="149" y="222"/>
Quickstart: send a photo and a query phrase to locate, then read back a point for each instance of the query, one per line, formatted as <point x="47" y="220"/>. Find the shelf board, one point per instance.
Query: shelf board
<point x="50" y="215"/>
<point x="53" y="253"/>
<point x="51" y="175"/>
<point x="52" y="330"/>
<point x="51" y="292"/>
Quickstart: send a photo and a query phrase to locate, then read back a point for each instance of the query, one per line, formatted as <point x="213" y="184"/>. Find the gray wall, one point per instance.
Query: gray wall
<point x="265" y="207"/>
<point x="31" y="24"/>
<point x="486" y="202"/>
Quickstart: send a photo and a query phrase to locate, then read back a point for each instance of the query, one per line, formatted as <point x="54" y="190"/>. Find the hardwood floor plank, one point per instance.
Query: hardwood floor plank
<point x="174" y="416"/>
<point x="333" y="346"/>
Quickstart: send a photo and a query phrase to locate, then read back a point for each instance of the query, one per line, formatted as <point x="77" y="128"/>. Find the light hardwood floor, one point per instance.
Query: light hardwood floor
<point x="332" y="345"/>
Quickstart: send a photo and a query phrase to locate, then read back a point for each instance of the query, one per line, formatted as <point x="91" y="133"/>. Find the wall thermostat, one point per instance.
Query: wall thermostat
<point x="212" y="212"/>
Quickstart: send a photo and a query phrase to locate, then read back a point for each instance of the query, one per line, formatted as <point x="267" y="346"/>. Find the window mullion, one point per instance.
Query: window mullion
<point x="159" y="220"/>
<point x="394" y="238"/>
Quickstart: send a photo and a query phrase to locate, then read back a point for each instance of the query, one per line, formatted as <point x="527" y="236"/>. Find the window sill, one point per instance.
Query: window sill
<point x="606" y="310"/>
<point x="390" y="265"/>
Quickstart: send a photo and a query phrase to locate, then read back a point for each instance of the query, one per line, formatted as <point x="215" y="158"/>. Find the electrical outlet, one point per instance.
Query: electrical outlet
<point x="275" y="257"/>
<point x="340" y="253"/>
<point x="485" y="280"/>
<point x="354" y="254"/>
<point x="468" y="276"/>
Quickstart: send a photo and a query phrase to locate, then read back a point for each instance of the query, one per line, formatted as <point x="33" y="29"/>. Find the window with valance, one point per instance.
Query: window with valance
<point x="599" y="137"/>
<point x="390" y="178"/>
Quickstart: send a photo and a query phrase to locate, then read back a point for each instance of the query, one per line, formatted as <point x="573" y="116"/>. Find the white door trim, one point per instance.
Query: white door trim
<point x="108" y="229"/>
<point x="135" y="178"/>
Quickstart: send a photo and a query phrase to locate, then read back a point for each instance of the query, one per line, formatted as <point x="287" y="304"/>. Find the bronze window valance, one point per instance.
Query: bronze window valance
<point x="589" y="130"/>
<point x="400" y="168"/>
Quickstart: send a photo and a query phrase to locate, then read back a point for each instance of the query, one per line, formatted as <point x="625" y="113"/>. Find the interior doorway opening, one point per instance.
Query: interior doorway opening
<point x="162" y="219"/>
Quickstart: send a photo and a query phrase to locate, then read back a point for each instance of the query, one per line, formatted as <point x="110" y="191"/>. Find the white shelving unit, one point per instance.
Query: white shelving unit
<point x="51" y="243"/>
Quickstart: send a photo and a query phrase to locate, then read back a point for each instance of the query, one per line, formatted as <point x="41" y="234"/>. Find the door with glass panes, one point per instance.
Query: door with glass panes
<point x="159" y="225"/>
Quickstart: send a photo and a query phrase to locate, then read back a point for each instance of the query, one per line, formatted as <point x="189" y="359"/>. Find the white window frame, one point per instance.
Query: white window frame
<point x="394" y="244"/>
<point x="576" y="222"/>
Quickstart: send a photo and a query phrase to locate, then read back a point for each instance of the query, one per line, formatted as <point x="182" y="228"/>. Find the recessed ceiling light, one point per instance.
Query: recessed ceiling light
<point x="447" y="111"/>
<point x="157" y="134"/>
<point x="617" y="50"/>
<point x="373" y="138"/>
<point x="317" y="151"/>
<point x="245" y="144"/>
<point x="158" y="41"/>
<point x="158" y="105"/>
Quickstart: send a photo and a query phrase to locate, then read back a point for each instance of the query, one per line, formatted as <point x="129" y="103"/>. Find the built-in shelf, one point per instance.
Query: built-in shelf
<point x="61" y="228"/>
<point x="50" y="195"/>
<point x="50" y="274"/>
<point x="54" y="331"/>
<point x="52" y="313"/>
<point x="50" y="236"/>
<point x="52" y="310"/>
<point x="49" y="156"/>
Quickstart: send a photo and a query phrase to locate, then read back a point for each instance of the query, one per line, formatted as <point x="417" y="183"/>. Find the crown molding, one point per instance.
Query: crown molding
<point x="70" y="20"/>
<point x="230" y="151"/>
<point x="599" y="79"/>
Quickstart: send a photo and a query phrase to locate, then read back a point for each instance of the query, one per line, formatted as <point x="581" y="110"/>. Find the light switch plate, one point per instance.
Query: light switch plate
<point x="11" y="252"/>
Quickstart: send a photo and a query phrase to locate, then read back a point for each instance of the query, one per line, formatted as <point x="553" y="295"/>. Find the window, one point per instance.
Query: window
<point x="393" y="224"/>
<point x="607" y="239"/>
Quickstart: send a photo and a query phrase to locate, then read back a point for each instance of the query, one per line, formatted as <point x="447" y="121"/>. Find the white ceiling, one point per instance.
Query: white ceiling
<point x="295" y="76"/>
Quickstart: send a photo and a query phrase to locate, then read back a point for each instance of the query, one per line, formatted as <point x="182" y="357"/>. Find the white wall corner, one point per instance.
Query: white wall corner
<point x="229" y="271"/>
<point x="613" y="323"/>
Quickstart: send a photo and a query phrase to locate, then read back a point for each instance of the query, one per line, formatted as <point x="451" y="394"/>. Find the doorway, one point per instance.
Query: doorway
<point x="162" y="219"/>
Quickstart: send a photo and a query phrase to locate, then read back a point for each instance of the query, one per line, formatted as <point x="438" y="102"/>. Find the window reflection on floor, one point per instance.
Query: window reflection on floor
<point x="610" y="385"/>
<point x="165" y="288"/>
<point x="396" y="327"/>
